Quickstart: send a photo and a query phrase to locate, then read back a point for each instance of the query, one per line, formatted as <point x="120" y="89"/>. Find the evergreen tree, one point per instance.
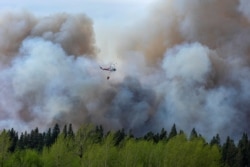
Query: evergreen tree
<point x="20" y="143"/>
<point x="13" y="138"/>
<point x="229" y="152"/>
<point x="193" y="134"/>
<point x="156" y="137"/>
<point x="40" y="143"/>
<point x="130" y="133"/>
<point x="65" y="133"/>
<point x="163" y="134"/>
<point x="173" y="132"/>
<point x="55" y="132"/>
<point x="215" y="140"/>
<point x="181" y="132"/>
<point x="70" y="132"/>
<point x="99" y="134"/>
<point x="48" y="138"/>
<point x="243" y="152"/>
<point x="26" y="140"/>
<point x="149" y="136"/>
<point x="119" y="136"/>
<point x="34" y="139"/>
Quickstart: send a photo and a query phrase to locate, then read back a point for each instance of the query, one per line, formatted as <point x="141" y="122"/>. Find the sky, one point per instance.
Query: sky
<point x="96" y="9"/>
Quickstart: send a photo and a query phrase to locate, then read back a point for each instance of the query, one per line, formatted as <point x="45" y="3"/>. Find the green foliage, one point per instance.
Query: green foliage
<point x="183" y="152"/>
<point x="25" y="158"/>
<point x="140" y="153"/>
<point x="89" y="146"/>
<point x="61" y="154"/>
<point x="5" y="143"/>
<point x="102" y="154"/>
<point x="84" y="138"/>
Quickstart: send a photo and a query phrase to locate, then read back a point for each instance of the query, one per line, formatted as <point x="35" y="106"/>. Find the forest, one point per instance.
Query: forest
<point x="90" y="145"/>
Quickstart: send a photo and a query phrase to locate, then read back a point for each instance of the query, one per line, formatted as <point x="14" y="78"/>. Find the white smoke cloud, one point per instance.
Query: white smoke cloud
<point x="45" y="79"/>
<point x="189" y="62"/>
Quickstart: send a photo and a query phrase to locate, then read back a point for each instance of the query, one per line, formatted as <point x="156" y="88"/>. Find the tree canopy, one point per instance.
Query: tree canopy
<point x="90" y="146"/>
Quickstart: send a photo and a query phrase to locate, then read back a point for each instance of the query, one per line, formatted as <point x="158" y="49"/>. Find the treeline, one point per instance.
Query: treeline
<point x="90" y="146"/>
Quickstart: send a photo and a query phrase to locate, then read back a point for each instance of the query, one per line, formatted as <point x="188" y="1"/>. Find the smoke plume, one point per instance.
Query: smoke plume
<point x="186" y="63"/>
<point x="196" y="55"/>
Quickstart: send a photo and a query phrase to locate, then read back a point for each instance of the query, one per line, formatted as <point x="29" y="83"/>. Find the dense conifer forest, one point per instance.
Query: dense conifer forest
<point x="91" y="146"/>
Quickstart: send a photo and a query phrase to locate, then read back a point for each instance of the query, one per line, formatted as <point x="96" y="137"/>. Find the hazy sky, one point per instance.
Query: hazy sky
<point x="96" y="9"/>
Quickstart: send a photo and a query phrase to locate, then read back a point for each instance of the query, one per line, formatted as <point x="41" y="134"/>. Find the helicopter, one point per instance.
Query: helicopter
<point x="111" y="68"/>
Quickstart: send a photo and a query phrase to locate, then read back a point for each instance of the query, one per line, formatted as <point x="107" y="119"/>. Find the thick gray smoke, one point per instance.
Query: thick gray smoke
<point x="188" y="63"/>
<point x="196" y="59"/>
<point x="45" y="65"/>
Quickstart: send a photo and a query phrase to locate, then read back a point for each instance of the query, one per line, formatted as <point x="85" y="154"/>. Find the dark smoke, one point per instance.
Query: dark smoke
<point x="187" y="63"/>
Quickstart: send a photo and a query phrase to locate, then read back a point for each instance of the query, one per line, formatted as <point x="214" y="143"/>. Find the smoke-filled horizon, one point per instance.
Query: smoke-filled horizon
<point x="186" y="63"/>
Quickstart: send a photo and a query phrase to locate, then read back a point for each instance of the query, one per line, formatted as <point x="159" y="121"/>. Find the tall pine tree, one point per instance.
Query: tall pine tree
<point x="243" y="151"/>
<point x="229" y="152"/>
<point x="173" y="132"/>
